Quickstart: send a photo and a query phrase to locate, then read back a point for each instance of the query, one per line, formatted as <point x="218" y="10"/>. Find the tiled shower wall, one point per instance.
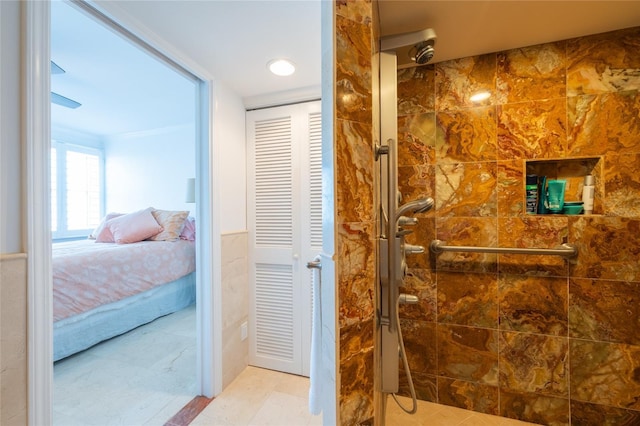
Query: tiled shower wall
<point x="536" y="338"/>
<point x="354" y="201"/>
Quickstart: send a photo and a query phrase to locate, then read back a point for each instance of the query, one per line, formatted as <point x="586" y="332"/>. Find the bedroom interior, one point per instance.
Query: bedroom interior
<point x="123" y="226"/>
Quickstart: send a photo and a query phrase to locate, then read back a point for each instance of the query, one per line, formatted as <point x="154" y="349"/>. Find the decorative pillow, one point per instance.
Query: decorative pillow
<point x="134" y="227"/>
<point x="100" y="228"/>
<point x="189" y="231"/>
<point x="171" y="221"/>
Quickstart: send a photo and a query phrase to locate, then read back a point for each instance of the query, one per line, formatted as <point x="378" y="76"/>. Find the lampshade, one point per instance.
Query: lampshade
<point x="191" y="191"/>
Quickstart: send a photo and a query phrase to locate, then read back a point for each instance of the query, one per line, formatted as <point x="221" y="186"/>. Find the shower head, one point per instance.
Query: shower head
<point x="415" y="48"/>
<point x="420" y="205"/>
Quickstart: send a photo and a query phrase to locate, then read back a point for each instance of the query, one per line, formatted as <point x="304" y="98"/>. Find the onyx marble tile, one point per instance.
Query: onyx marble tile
<point x="604" y="310"/>
<point x="425" y="386"/>
<point x="415" y="182"/>
<point x="354" y="167"/>
<point x="534" y="363"/>
<point x="605" y="123"/>
<point x="353" y="70"/>
<point x="585" y="414"/>
<point x="511" y="191"/>
<point x="608" y="247"/>
<point x="420" y="283"/>
<point x="533" y="231"/>
<point x="605" y="373"/>
<point x="535" y="129"/>
<point x="358" y="11"/>
<point x="467" y="135"/>
<point x="420" y="343"/>
<point x="467" y="231"/>
<point x="467" y="189"/>
<point x="416" y="139"/>
<point x="533" y="304"/>
<point x="468" y="299"/>
<point x="607" y="62"/>
<point x="356" y="272"/>
<point x="416" y="90"/>
<point x="356" y="377"/>
<point x="468" y="353"/>
<point x="532" y="73"/>
<point x="468" y="395"/>
<point x="535" y="408"/>
<point x="622" y="184"/>
<point x="457" y="80"/>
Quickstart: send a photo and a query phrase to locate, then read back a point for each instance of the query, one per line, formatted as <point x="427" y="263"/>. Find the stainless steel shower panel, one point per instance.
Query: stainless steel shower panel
<point x="389" y="242"/>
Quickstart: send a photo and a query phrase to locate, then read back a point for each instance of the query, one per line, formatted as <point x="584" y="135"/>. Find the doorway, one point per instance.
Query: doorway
<point x="38" y="143"/>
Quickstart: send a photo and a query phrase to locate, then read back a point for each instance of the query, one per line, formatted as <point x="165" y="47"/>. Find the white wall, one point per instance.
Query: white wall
<point x="150" y="169"/>
<point x="10" y="151"/>
<point x="229" y="132"/>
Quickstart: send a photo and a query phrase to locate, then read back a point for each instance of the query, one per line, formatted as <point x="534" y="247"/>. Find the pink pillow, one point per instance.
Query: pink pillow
<point x="189" y="230"/>
<point x="100" y="229"/>
<point x="133" y="227"/>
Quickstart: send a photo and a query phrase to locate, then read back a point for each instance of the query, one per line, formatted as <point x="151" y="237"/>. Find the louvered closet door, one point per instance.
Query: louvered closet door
<point x="285" y="218"/>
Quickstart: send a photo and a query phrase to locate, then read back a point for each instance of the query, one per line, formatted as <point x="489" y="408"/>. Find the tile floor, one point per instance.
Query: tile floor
<point x="148" y="375"/>
<point x="143" y="377"/>
<point x="261" y="397"/>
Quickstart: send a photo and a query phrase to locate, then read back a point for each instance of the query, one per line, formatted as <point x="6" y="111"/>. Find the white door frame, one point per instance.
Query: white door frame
<point x="35" y="28"/>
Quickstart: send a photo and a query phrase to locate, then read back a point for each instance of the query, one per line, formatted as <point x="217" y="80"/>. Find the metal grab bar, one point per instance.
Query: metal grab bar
<point x="565" y="250"/>
<point x="314" y="264"/>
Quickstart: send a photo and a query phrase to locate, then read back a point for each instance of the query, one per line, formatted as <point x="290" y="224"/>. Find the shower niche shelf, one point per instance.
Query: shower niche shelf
<point x="573" y="170"/>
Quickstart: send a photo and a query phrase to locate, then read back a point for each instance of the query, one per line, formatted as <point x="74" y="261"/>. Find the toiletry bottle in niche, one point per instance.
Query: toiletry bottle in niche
<point x="531" y="190"/>
<point x="588" y="193"/>
<point x="555" y="194"/>
<point x="542" y="195"/>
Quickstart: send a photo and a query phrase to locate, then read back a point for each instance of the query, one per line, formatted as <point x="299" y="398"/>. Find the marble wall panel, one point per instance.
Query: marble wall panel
<point x="586" y="414"/>
<point x="416" y="90"/>
<point x="425" y="386"/>
<point x="468" y="299"/>
<point x="537" y="232"/>
<point x="416" y="139"/>
<point x="511" y="193"/>
<point x="356" y="271"/>
<point x="468" y="395"/>
<point x="420" y="342"/>
<point x="466" y="136"/>
<point x="467" y="231"/>
<point x="354" y="166"/>
<point x="534" y="408"/>
<point x="622" y="185"/>
<point x="468" y="353"/>
<point x="420" y="283"/>
<point x="353" y="70"/>
<point x="606" y="311"/>
<point x="533" y="304"/>
<point x="608" y="62"/>
<point x="467" y="189"/>
<point x="534" y="363"/>
<point x="356" y="368"/>
<point x="605" y="373"/>
<point x="608" y="247"/>
<point x="535" y="129"/>
<point x="531" y="73"/>
<point x="458" y="79"/>
<point x="416" y="181"/>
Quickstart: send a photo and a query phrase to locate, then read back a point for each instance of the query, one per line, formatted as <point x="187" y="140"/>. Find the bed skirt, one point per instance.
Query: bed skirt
<point x="82" y="331"/>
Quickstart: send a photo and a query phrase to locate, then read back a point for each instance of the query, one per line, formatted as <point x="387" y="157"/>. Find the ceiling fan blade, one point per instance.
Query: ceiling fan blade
<point x="55" y="69"/>
<point x="64" y="101"/>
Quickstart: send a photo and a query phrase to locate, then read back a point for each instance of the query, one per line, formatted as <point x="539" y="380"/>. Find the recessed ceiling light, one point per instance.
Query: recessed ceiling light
<point x="281" y="67"/>
<point x="480" y="96"/>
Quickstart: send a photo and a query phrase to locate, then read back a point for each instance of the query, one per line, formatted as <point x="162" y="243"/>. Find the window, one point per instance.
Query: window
<point x="77" y="189"/>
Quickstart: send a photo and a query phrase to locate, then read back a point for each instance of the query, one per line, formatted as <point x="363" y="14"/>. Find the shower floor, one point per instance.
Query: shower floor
<point x="442" y="415"/>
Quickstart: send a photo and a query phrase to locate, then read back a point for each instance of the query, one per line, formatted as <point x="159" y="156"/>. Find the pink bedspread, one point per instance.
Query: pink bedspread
<point x="87" y="274"/>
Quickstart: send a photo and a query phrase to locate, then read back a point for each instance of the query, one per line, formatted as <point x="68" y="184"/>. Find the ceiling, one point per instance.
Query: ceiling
<point x="233" y="40"/>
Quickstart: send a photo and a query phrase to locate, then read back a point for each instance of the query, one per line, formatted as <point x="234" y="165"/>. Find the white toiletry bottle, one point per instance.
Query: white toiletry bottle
<point x="588" y="192"/>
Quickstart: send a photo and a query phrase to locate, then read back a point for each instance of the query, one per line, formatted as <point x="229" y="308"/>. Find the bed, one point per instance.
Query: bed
<point x="102" y="290"/>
